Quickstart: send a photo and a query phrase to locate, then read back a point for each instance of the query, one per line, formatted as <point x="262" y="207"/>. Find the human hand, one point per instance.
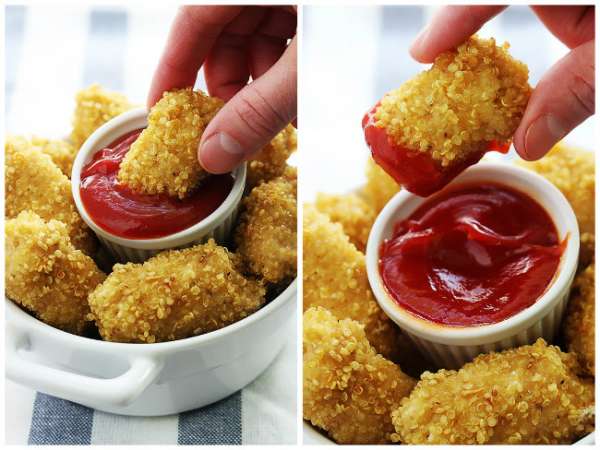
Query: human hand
<point x="562" y="99"/>
<point x="232" y="44"/>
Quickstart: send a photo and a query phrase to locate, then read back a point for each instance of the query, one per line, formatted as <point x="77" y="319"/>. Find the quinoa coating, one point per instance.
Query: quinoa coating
<point x="350" y="211"/>
<point x="47" y="275"/>
<point x="271" y="161"/>
<point x="94" y="107"/>
<point x="527" y="395"/>
<point x="380" y="187"/>
<point x="349" y="389"/>
<point x="572" y="171"/>
<point x="164" y="158"/>
<point x="578" y="325"/>
<point x="174" y="295"/>
<point x="61" y="152"/>
<point x="335" y="277"/>
<point x="33" y="182"/>
<point x="266" y="235"/>
<point x="471" y="96"/>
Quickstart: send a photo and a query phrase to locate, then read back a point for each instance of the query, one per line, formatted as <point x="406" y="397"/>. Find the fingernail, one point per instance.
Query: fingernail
<point x="221" y="153"/>
<point x="541" y="135"/>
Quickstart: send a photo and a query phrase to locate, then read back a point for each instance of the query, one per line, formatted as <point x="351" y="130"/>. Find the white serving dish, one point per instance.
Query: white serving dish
<point x="146" y="379"/>
<point x="452" y="346"/>
<point x="218" y="225"/>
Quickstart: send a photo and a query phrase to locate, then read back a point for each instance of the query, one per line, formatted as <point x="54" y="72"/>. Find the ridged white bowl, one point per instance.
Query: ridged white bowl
<point x="452" y="346"/>
<point x="217" y="225"/>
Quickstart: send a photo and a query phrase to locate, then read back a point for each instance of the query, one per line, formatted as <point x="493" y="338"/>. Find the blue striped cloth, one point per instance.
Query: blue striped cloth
<point x="52" y="52"/>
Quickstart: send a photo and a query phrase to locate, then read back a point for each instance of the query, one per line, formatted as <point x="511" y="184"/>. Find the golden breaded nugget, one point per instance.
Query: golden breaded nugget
<point x="174" y="295"/>
<point x="266" y="235"/>
<point x="61" y="152"/>
<point x="350" y="211"/>
<point x="527" y="395"/>
<point x="335" y="277"/>
<point x="94" y="107"/>
<point x="271" y="161"/>
<point x="472" y="95"/>
<point x="164" y="158"/>
<point x="349" y="390"/>
<point x="47" y="275"/>
<point x="579" y="323"/>
<point x="572" y="171"/>
<point x="380" y="187"/>
<point x="35" y="183"/>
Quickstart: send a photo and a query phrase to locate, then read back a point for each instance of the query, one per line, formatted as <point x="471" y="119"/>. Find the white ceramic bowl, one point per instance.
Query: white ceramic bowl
<point x="218" y="225"/>
<point x="451" y="346"/>
<point x="146" y="379"/>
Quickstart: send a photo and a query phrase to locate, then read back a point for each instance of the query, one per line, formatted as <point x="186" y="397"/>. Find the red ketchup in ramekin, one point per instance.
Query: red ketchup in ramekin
<point x="471" y="255"/>
<point x="118" y="210"/>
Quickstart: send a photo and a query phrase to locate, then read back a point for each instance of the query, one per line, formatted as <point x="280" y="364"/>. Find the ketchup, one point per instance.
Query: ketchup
<point x="122" y="212"/>
<point x="416" y="171"/>
<point x="472" y="255"/>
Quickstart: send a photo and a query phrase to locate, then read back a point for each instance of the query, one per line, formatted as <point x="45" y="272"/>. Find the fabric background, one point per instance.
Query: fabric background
<point x="51" y="52"/>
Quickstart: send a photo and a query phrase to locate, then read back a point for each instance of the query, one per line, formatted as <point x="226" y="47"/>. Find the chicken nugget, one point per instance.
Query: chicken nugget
<point x="443" y="120"/>
<point x="350" y="211"/>
<point x="94" y="107"/>
<point x="33" y="182"/>
<point x="335" y="277"/>
<point x="164" y="158"/>
<point x="174" y="295"/>
<point x="572" y="171"/>
<point x="349" y="390"/>
<point x="527" y="395"/>
<point x="47" y="275"/>
<point x="61" y="152"/>
<point x="380" y="187"/>
<point x="578" y="325"/>
<point x="271" y="161"/>
<point x="266" y="235"/>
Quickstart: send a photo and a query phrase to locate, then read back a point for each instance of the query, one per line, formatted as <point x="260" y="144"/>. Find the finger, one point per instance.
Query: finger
<point x="563" y="99"/>
<point x="226" y="68"/>
<point x="252" y="117"/>
<point x="573" y="25"/>
<point x="264" y="52"/>
<point x="279" y="23"/>
<point x="193" y="33"/>
<point x="450" y="26"/>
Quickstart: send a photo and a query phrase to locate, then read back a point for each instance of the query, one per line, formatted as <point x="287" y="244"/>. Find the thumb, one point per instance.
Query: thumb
<point x="251" y="118"/>
<point x="563" y="99"/>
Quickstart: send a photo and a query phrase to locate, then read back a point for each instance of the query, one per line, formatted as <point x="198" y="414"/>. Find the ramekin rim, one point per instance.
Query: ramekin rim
<point x="172" y="240"/>
<point x="479" y="334"/>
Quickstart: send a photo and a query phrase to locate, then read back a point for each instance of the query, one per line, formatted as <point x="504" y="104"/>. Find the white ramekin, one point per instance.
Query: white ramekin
<point x="218" y="225"/>
<point x="451" y="346"/>
<point x="146" y="379"/>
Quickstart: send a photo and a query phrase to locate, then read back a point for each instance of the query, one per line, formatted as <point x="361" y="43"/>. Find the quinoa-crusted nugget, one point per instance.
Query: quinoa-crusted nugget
<point x="447" y="117"/>
<point x="572" y="171"/>
<point x="47" y="275"/>
<point x="349" y="389"/>
<point x="578" y="325"/>
<point x="266" y="235"/>
<point x="350" y="211"/>
<point x="61" y="152"/>
<point x="164" y="158"/>
<point x="271" y="161"/>
<point x="380" y="187"/>
<point x="35" y="183"/>
<point x="527" y="395"/>
<point x="174" y="295"/>
<point x="94" y="107"/>
<point x="335" y="277"/>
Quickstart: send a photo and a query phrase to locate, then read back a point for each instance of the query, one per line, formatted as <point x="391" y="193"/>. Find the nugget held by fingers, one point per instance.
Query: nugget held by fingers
<point x="349" y="389"/>
<point x="174" y="295"/>
<point x="527" y="395"/>
<point x="33" y="182"/>
<point x="47" y="275"/>
<point x="164" y="158"/>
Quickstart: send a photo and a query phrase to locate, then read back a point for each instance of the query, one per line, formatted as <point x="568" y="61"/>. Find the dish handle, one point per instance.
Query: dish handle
<point x="118" y="391"/>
